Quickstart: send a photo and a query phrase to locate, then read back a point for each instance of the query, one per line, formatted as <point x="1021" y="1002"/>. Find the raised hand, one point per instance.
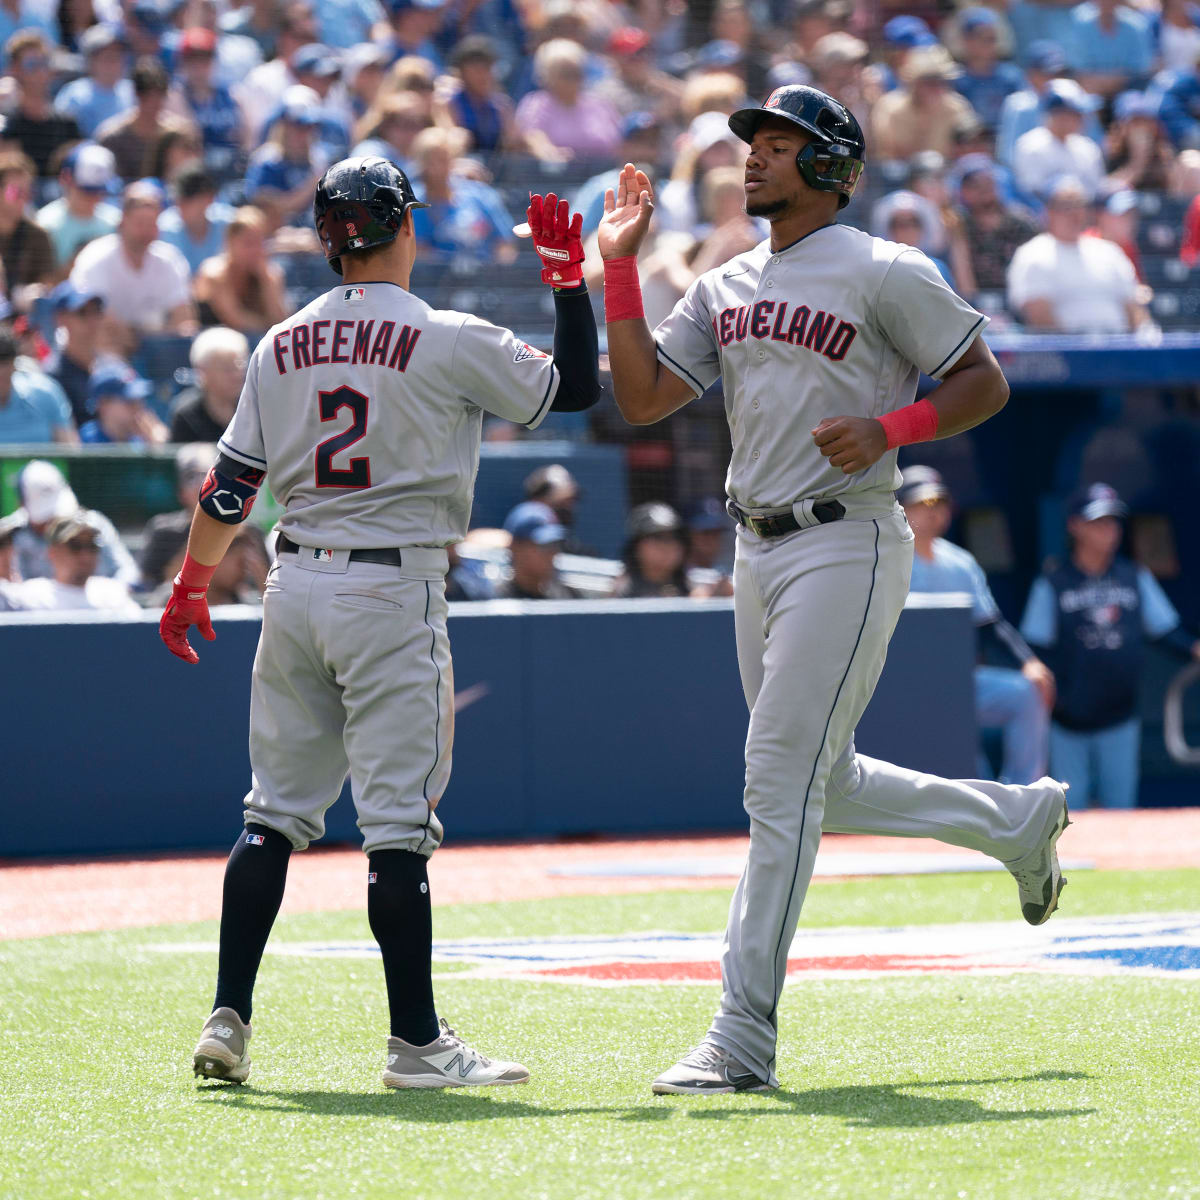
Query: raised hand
<point x="558" y="240"/>
<point x="627" y="214"/>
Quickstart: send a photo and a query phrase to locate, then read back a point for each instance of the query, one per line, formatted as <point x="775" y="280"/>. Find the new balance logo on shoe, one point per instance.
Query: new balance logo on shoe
<point x="464" y="1067"/>
<point x="222" y="1031"/>
<point x="392" y="1059"/>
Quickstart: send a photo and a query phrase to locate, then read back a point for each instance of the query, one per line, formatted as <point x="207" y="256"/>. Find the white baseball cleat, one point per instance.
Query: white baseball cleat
<point x="446" y="1062"/>
<point x="708" y="1070"/>
<point x="223" y="1051"/>
<point x="1039" y="879"/>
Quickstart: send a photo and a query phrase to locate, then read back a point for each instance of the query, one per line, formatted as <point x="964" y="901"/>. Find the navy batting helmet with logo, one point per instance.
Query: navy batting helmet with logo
<point x="834" y="159"/>
<point x="360" y="203"/>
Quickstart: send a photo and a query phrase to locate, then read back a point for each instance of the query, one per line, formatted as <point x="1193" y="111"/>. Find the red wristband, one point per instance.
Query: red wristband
<point x="913" y="423"/>
<point x="195" y="576"/>
<point x="622" y="290"/>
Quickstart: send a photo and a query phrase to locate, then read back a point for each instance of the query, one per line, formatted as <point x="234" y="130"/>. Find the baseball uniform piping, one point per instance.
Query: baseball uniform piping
<point x="249" y="459"/>
<point x="437" y="696"/>
<point x="820" y="750"/>
<point x="966" y="337"/>
<point x="545" y="399"/>
<point x="682" y="369"/>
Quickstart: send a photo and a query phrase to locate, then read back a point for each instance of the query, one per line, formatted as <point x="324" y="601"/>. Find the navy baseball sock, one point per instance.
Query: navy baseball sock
<point x="254" y="879"/>
<point x="398" y="909"/>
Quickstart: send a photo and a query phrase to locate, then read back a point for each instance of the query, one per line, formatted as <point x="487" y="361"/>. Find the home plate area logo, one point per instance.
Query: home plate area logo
<point x="1158" y="945"/>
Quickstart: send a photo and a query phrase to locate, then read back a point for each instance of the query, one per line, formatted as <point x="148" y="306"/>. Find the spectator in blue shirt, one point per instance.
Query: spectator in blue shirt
<point x="1176" y="94"/>
<point x="985" y="81"/>
<point x="1015" y="699"/>
<point x="1093" y="615"/>
<point x="1111" y="47"/>
<point x="211" y="106"/>
<point x="41" y="15"/>
<point x="413" y="25"/>
<point x="1035" y="21"/>
<point x="104" y="91"/>
<point x="117" y="400"/>
<point x="282" y="175"/>
<point x="33" y="408"/>
<point x="88" y="176"/>
<point x="1022" y="110"/>
<point x="345" y="23"/>
<point x="901" y="35"/>
<point x="464" y="218"/>
<point x="195" y="223"/>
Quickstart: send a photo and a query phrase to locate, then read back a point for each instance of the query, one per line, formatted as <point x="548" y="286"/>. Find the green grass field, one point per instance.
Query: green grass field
<point x="1022" y="1086"/>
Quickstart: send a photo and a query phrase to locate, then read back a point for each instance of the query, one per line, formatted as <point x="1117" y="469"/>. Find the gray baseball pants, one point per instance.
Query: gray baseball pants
<point x="353" y="676"/>
<point x="814" y="611"/>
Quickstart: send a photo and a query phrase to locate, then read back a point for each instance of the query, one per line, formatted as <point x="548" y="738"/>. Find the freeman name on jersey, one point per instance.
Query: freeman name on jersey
<point x="314" y="343"/>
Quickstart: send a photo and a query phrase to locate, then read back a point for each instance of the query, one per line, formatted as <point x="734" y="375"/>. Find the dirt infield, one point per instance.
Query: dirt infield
<point x="41" y="898"/>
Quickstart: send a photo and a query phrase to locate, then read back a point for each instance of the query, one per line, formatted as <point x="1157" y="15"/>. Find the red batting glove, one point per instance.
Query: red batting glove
<point x="558" y="239"/>
<point x="187" y="606"/>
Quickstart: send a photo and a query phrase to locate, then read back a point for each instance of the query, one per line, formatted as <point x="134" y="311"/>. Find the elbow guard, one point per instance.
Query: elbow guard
<point x="229" y="491"/>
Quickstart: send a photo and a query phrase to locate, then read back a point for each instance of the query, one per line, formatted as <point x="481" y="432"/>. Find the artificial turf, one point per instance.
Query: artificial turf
<point x="996" y="1087"/>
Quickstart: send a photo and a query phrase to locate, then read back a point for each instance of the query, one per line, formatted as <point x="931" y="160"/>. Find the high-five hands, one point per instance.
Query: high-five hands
<point x="627" y="214"/>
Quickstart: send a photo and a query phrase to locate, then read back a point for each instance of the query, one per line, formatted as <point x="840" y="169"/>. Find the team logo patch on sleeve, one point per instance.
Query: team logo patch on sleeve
<point x="353" y="295"/>
<point x="526" y="352"/>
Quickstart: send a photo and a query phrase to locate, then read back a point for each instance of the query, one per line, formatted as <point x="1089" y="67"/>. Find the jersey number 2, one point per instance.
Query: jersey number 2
<point x="358" y="473"/>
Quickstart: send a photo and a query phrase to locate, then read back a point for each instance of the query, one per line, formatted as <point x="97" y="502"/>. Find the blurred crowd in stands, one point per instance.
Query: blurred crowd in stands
<point x="157" y="163"/>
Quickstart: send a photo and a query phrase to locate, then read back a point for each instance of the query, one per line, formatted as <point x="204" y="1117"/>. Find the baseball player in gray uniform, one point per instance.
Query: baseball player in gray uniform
<point x="819" y="335"/>
<point x="365" y="409"/>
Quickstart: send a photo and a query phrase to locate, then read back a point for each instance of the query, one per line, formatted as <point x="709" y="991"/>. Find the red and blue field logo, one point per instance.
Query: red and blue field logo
<point x="1161" y="945"/>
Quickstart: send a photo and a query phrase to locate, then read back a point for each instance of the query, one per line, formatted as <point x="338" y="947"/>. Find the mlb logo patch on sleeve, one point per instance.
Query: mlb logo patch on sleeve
<point x="254" y="839"/>
<point x="526" y="352"/>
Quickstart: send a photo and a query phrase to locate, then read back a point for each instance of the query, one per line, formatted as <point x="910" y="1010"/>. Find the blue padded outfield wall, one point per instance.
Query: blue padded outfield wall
<point x="574" y="717"/>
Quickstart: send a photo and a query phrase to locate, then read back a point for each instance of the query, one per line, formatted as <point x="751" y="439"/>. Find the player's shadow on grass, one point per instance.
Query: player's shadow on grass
<point x="434" y="1105"/>
<point x="893" y="1106"/>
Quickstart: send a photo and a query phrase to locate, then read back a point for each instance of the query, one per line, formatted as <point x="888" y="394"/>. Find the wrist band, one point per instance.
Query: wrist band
<point x="195" y="576"/>
<point x="622" y="290"/>
<point x="913" y="423"/>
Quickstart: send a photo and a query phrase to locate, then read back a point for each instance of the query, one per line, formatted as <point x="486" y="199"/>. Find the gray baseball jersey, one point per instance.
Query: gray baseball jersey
<point x="365" y="410"/>
<point x="366" y="406"/>
<point x="837" y="324"/>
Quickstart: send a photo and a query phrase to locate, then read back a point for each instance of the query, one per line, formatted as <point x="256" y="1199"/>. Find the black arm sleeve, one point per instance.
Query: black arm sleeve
<point x="1002" y="636"/>
<point x="576" y="351"/>
<point x="1177" y="641"/>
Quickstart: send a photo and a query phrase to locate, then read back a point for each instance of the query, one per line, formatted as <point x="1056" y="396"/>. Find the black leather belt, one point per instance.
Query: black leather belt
<point x="825" y="511"/>
<point x="388" y="556"/>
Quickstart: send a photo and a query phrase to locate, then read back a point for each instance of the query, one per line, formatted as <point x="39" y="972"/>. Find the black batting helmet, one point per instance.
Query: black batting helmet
<point x="834" y="159"/>
<point x="359" y="203"/>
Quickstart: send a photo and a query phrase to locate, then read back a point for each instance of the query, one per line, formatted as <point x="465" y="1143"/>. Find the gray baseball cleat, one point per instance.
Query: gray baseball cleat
<point x="1039" y="879"/>
<point x="446" y="1062"/>
<point x="706" y="1071"/>
<point x="223" y="1051"/>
